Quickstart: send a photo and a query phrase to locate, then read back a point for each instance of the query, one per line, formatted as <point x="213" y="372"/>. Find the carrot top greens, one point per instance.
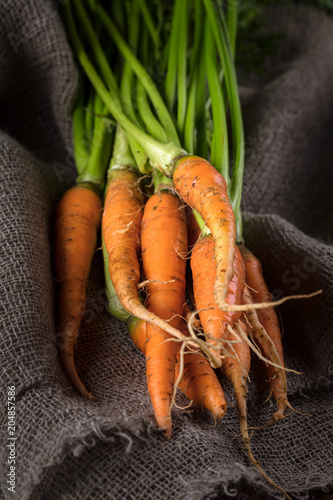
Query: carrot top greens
<point x="161" y="95"/>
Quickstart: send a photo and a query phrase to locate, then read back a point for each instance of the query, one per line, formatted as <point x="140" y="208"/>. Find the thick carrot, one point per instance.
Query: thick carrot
<point x="199" y="382"/>
<point x="77" y="221"/>
<point x="164" y="249"/>
<point x="269" y="320"/>
<point x="213" y="319"/>
<point x="200" y="185"/>
<point x="121" y="226"/>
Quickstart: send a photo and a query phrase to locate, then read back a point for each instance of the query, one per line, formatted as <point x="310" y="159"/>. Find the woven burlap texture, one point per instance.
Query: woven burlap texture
<point x="69" y="448"/>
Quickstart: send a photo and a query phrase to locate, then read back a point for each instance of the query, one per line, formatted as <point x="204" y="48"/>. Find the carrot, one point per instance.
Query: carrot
<point x="113" y="305"/>
<point x="199" y="382"/>
<point x="236" y="367"/>
<point x="269" y="321"/>
<point x="121" y="226"/>
<point x="164" y="248"/>
<point x="213" y="319"/>
<point x="200" y="185"/>
<point x="78" y="216"/>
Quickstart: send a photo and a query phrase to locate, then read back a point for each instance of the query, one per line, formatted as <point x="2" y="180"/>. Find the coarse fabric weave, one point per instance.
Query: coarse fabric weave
<point x="68" y="448"/>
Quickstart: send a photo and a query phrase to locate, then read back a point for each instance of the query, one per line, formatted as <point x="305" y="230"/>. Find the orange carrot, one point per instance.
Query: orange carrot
<point x="199" y="382"/>
<point x="164" y="249"/>
<point x="77" y="221"/>
<point x="200" y="185"/>
<point x="213" y="319"/>
<point x="236" y="367"/>
<point x="269" y="320"/>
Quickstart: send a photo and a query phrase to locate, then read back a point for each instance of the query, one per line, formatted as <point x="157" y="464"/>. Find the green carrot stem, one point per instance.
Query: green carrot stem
<point x="148" y="21"/>
<point x="96" y="48"/>
<point x="160" y="155"/>
<point x="92" y="5"/>
<point x="118" y="14"/>
<point x="164" y="58"/>
<point x="89" y="118"/>
<point x="98" y="111"/>
<point x="182" y="68"/>
<point x="219" y="30"/>
<point x="171" y="77"/>
<point x="126" y="100"/>
<point x="198" y="32"/>
<point x="219" y="155"/>
<point x="81" y="152"/>
<point x="96" y="167"/>
<point x="153" y="126"/>
<point x="159" y="180"/>
<point x="121" y="154"/>
<point x="190" y="119"/>
<point x="190" y="115"/>
<point x="201" y="143"/>
<point x="127" y="79"/>
<point x="232" y="21"/>
<point x="201" y="223"/>
<point x="142" y="74"/>
<point x="126" y="89"/>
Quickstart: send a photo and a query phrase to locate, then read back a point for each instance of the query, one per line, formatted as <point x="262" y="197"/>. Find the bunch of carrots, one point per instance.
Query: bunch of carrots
<point x="160" y="169"/>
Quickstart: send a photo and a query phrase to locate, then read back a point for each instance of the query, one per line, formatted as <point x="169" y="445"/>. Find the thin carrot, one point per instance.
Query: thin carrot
<point x="77" y="221"/>
<point x="199" y="382"/>
<point x="121" y="227"/>
<point x="164" y="249"/>
<point x="137" y="329"/>
<point x="236" y="367"/>
<point x="213" y="319"/>
<point x="268" y="319"/>
<point x="200" y="185"/>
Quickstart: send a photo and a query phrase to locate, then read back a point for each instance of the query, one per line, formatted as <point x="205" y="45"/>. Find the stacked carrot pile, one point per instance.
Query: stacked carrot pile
<point x="152" y="139"/>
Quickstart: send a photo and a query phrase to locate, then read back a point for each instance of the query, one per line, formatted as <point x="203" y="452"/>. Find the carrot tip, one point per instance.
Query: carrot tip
<point x="219" y="413"/>
<point x="91" y="397"/>
<point x="167" y="433"/>
<point x="165" y="426"/>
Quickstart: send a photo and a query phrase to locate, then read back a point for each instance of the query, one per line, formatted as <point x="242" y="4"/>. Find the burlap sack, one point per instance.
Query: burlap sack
<point x="68" y="448"/>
